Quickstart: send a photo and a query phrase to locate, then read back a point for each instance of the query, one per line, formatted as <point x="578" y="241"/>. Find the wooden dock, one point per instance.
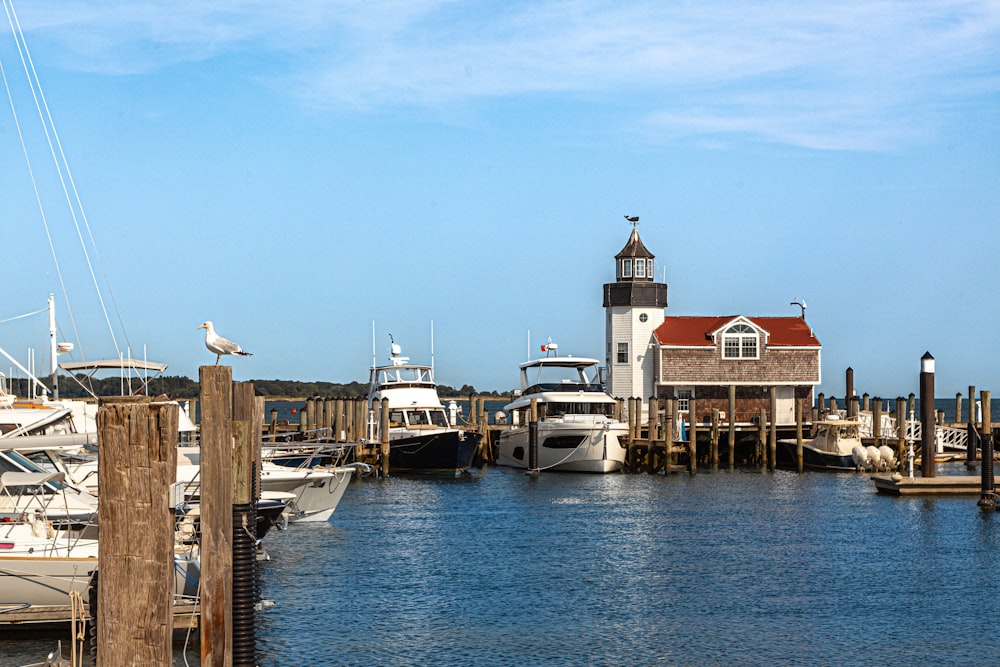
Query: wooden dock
<point x="945" y="485"/>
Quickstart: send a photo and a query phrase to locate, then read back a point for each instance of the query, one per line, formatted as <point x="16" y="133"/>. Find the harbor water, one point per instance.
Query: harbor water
<point x="750" y="568"/>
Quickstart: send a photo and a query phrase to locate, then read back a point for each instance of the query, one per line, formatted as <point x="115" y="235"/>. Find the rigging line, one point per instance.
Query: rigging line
<point x="34" y="83"/>
<point x="34" y="185"/>
<point x="79" y="202"/>
<point x="21" y="317"/>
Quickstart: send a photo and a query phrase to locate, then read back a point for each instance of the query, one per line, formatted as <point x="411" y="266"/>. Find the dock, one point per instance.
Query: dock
<point x="946" y="485"/>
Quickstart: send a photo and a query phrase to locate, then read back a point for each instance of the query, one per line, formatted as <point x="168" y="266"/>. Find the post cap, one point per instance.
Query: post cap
<point x="927" y="363"/>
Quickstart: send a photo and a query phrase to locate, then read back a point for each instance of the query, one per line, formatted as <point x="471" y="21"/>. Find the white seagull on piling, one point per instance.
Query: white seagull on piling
<point x="216" y="343"/>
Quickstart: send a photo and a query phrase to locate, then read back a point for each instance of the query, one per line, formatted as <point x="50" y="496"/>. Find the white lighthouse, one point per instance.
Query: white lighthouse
<point x="634" y="306"/>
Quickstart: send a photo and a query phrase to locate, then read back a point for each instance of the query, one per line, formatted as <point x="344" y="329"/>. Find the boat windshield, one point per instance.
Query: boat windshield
<point x="406" y="375"/>
<point x="418" y="417"/>
<point x="11" y="461"/>
<point x="558" y="409"/>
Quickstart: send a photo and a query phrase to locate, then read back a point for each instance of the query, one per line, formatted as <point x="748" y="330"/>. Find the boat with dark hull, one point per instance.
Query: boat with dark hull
<point x="421" y="439"/>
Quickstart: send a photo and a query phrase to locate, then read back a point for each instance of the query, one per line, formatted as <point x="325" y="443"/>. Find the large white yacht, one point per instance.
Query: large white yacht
<point x="577" y="430"/>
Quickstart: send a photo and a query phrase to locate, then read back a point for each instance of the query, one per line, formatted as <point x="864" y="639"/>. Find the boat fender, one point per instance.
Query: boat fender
<point x="860" y="456"/>
<point x="874" y="457"/>
<point x="888" y="457"/>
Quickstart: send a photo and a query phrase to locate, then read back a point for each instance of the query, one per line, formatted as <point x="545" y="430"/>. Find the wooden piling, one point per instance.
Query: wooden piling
<point x="731" y="417"/>
<point x="137" y="463"/>
<point x="799" y="460"/>
<point x="762" y="438"/>
<point x="713" y="452"/>
<point x="692" y="437"/>
<point x="383" y="431"/>
<point x="821" y="405"/>
<point x="533" y="436"/>
<point x="772" y="439"/>
<point x="216" y="515"/>
<point x="972" y="436"/>
<point x="865" y="402"/>
<point x="972" y="404"/>
<point x="669" y="412"/>
<point x="928" y="421"/>
<point x="877" y="421"/>
<point x="900" y="429"/>
<point x="987" y="498"/>
<point x="848" y="389"/>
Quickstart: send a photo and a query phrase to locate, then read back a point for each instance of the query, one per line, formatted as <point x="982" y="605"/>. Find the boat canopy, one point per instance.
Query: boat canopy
<point x="113" y="364"/>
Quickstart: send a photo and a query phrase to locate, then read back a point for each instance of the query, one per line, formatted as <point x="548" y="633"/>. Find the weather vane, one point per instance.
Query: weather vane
<point x="634" y="219"/>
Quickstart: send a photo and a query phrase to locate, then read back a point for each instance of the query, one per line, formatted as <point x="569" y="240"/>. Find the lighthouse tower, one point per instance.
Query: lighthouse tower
<point x="634" y="306"/>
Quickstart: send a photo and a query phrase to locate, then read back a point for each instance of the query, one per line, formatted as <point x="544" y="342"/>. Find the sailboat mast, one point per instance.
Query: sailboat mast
<point x="53" y="351"/>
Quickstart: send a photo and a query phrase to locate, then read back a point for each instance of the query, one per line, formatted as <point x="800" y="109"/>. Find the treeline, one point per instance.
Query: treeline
<point x="180" y="387"/>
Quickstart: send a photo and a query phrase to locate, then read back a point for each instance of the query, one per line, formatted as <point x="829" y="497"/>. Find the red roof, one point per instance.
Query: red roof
<point x="695" y="331"/>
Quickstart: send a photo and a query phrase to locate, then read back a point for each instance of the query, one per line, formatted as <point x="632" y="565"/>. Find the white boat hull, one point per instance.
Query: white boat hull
<point x="599" y="448"/>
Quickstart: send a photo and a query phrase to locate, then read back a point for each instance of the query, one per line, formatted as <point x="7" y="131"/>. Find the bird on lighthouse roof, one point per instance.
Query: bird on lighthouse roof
<point x="216" y="343"/>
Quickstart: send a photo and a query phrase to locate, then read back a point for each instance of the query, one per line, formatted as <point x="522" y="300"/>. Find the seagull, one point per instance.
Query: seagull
<point x="216" y="343"/>
<point x="633" y="218"/>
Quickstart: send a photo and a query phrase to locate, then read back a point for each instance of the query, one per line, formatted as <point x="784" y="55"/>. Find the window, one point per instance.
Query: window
<point x="640" y="268"/>
<point x="740" y="342"/>
<point x="622" y="353"/>
<point x="649" y="267"/>
<point x="684" y="397"/>
<point x="626" y="268"/>
<point x="643" y="317"/>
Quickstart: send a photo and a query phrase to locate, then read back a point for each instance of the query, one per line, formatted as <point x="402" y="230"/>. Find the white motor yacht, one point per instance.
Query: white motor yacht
<point x="577" y="430"/>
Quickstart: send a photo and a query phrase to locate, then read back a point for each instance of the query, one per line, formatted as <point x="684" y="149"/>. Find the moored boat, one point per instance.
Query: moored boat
<point x="837" y="445"/>
<point x="421" y="440"/>
<point x="576" y="431"/>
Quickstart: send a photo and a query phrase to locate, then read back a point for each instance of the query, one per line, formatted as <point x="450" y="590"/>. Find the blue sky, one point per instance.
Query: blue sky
<point x="296" y="171"/>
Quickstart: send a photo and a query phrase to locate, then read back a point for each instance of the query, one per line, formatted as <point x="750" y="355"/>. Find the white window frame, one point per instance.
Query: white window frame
<point x="684" y="396"/>
<point x="640" y="268"/>
<point x="622" y="352"/>
<point x="740" y="341"/>
<point x="626" y="268"/>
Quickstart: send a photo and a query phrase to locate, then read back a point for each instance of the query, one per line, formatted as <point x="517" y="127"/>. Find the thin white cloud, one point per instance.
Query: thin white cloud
<point x="851" y="75"/>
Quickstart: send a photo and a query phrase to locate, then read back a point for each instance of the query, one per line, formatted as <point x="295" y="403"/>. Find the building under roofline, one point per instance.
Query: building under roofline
<point x="701" y="357"/>
<point x="651" y="355"/>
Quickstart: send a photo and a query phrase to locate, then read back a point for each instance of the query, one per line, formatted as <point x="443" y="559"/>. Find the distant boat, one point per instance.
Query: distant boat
<point x="577" y="430"/>
<point x="837" y="446"/>
<point x="421" y="440"/>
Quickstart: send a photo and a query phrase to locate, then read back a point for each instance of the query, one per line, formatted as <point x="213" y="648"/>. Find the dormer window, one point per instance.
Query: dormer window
<point x="740" y="342"/>
<point x="640" y="268"/>
<point x="626" y="268"/>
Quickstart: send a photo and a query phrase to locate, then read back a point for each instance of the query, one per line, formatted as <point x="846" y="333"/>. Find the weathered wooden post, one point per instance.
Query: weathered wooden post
<point x="877" y="421"/>
<point x="833" y="405"/>
<point x="772" y="440"/>
<point x="900" y="428"/>
<point x="972" y="437"/>
<point x="928" y="424"/>
<point x="799" y="462"/>
<point x="731" y="416"/>
<point x="853" y="407"/>
<point x="821" y="404"/>
<point x="865" y="402"/>
<point x="692" y="437"/>
<point x="652" y="418"/>
<point x="383" y="432"/>
<point x="216" y="515"/>
<point x="669" y="412"/>
<point x="137" y="463"/>
<point x="713" y="454"/>
<point x="272" y="426"/>
<point x="911" y="404"/>
<point x="762" y="438"/>
<point x="849" y="389"/>
<point x="533" y="437"/>
<point x="988" y="498"/>
<point x="958" y="407"/>
<point x="247" y="417"/>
